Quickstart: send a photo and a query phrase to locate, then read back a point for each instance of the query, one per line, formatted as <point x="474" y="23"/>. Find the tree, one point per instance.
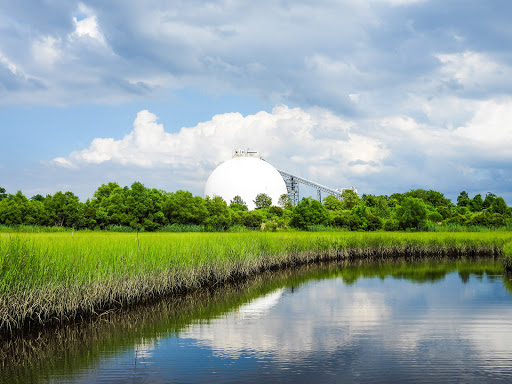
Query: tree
<point x="109" y="206"/>
<point x="374" y="222"/>
<point x="252" y="219"/>
<point x="14" y="210"/>
<point x="3" y="194"/>
<point x="477" y="203"/>
<point x="105" y="190"/>
<point x="430" y="197"/>
<point x="309" y="212"/>
<point x="332" y="203"/>
<point x="349" y="198"/>
<point x="499" y="206"/>
<point x="446" y="212"/>
<point x="37" y="197"/>
<point x="218" y="213"/>
<point x="463" y="200"/>
<point x="182" y="207"/>
<point x="285" y="201"/>
<point x="238" y="204"/>
<point x="262" y="200"/>
<point x="489" y="199"/>
<point x="64" y="210"/>
<point x="434" y="216"/>
<point x="276" y="211"/>
<point x="412" y="213"/>
<point x="437" y="199"/>
<point x="144" y="207"/>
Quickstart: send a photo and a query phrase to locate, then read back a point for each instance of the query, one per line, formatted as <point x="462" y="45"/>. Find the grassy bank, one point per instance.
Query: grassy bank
<point x="50" y="278"/>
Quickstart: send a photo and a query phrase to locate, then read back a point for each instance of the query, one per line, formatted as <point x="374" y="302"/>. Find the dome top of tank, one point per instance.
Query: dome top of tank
<point x="245" y="175"/>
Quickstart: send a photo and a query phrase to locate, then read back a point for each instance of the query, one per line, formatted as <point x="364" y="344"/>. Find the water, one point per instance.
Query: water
<point x="422" y="322"/>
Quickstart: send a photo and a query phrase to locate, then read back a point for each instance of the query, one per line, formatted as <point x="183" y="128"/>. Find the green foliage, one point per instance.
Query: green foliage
<point x="435" y="216"/>
<point x="37" y="197"/>
<point x="391" y="224"/>
<point x="332" y="203"/>
<point x="116" y="208"/>
<point x="463" y="200"/>
<point x="219" y="216"/>
<point x="430" y="197"/>
<point x="379" y="205"/>
<point x="64" y="210"/>
<point x="374" y="222"/>
<point x="320" y="228"/>
<point x="412" y="213"/>
<point x="349" y="198"/>
<point x="445" y="212"/>
<point x="262" y="200"/>
<point x="489" y="199"/>
<point x="253" y="219"/>
<point x="309" y="212"/>
<point x="285" y="201"/>
<point x="275" y="211"/>
<point x="477" y="203"/>
<point x="183" y="208"/>
<point x="238" y="204"/>
<point x="499" y="206"/>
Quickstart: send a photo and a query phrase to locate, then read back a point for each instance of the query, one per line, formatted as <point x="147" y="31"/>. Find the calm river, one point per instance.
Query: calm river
<point x="395" y="322"/>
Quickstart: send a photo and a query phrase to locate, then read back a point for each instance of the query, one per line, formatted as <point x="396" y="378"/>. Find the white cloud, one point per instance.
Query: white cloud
<point x="88" y="26"/>
<point x="490" y="129"/>
<point x="473" y="70"/>
<point x="486" y="130"/>
<point x="46" y="51"/>
<point x="13" y="68"/>
<point x="63" y="162"/>
<point x="266" y="330"/>
<point x="317" y="142"/>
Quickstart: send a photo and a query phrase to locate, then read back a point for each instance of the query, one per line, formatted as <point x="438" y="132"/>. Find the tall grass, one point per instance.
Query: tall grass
<point x="62" y="277"/>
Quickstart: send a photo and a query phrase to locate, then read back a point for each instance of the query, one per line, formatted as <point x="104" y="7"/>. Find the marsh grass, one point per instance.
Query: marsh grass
<point x="60" y="278"/>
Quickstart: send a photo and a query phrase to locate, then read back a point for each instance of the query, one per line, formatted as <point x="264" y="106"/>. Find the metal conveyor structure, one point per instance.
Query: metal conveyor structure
<point x="292" y="185"/>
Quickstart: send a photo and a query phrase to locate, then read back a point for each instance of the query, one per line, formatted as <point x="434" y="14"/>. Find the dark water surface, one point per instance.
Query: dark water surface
<point x="436" y="321"/>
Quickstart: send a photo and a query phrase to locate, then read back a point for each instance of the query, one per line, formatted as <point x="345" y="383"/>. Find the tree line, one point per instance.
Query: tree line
<point x="140" y="208"/>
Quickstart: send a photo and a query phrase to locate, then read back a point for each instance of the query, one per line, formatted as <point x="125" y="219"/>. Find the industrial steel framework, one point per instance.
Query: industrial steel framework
<point x="292" y="185"/>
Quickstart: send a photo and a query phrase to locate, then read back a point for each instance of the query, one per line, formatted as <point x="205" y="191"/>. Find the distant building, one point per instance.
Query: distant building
<point x="245" y="175"/>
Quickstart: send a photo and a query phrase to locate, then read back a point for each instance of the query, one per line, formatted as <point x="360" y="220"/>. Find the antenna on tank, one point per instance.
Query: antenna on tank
<point x="246" y="153"/>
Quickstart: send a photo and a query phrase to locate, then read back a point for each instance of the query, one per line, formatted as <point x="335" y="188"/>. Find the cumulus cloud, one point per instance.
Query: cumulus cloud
<point x="318" y="143"/>
<point x="88" y="26"/>
<point x="474" y="72"/>
<point x="46" y="51"/>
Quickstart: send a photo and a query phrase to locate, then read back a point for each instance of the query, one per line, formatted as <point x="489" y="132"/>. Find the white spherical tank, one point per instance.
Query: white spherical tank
<point x="246" y="177"/>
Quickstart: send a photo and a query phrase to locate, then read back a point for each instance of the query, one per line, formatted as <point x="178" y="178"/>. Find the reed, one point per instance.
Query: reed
<point x="507" y="256"/>
<point x="58" y="278"/>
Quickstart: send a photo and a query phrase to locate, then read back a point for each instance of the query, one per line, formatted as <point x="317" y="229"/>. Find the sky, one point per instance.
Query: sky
<point x="383" y="95"/>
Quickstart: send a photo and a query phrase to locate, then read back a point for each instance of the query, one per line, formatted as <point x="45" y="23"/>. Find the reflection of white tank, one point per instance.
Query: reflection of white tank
<point x="245" y="175"/>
